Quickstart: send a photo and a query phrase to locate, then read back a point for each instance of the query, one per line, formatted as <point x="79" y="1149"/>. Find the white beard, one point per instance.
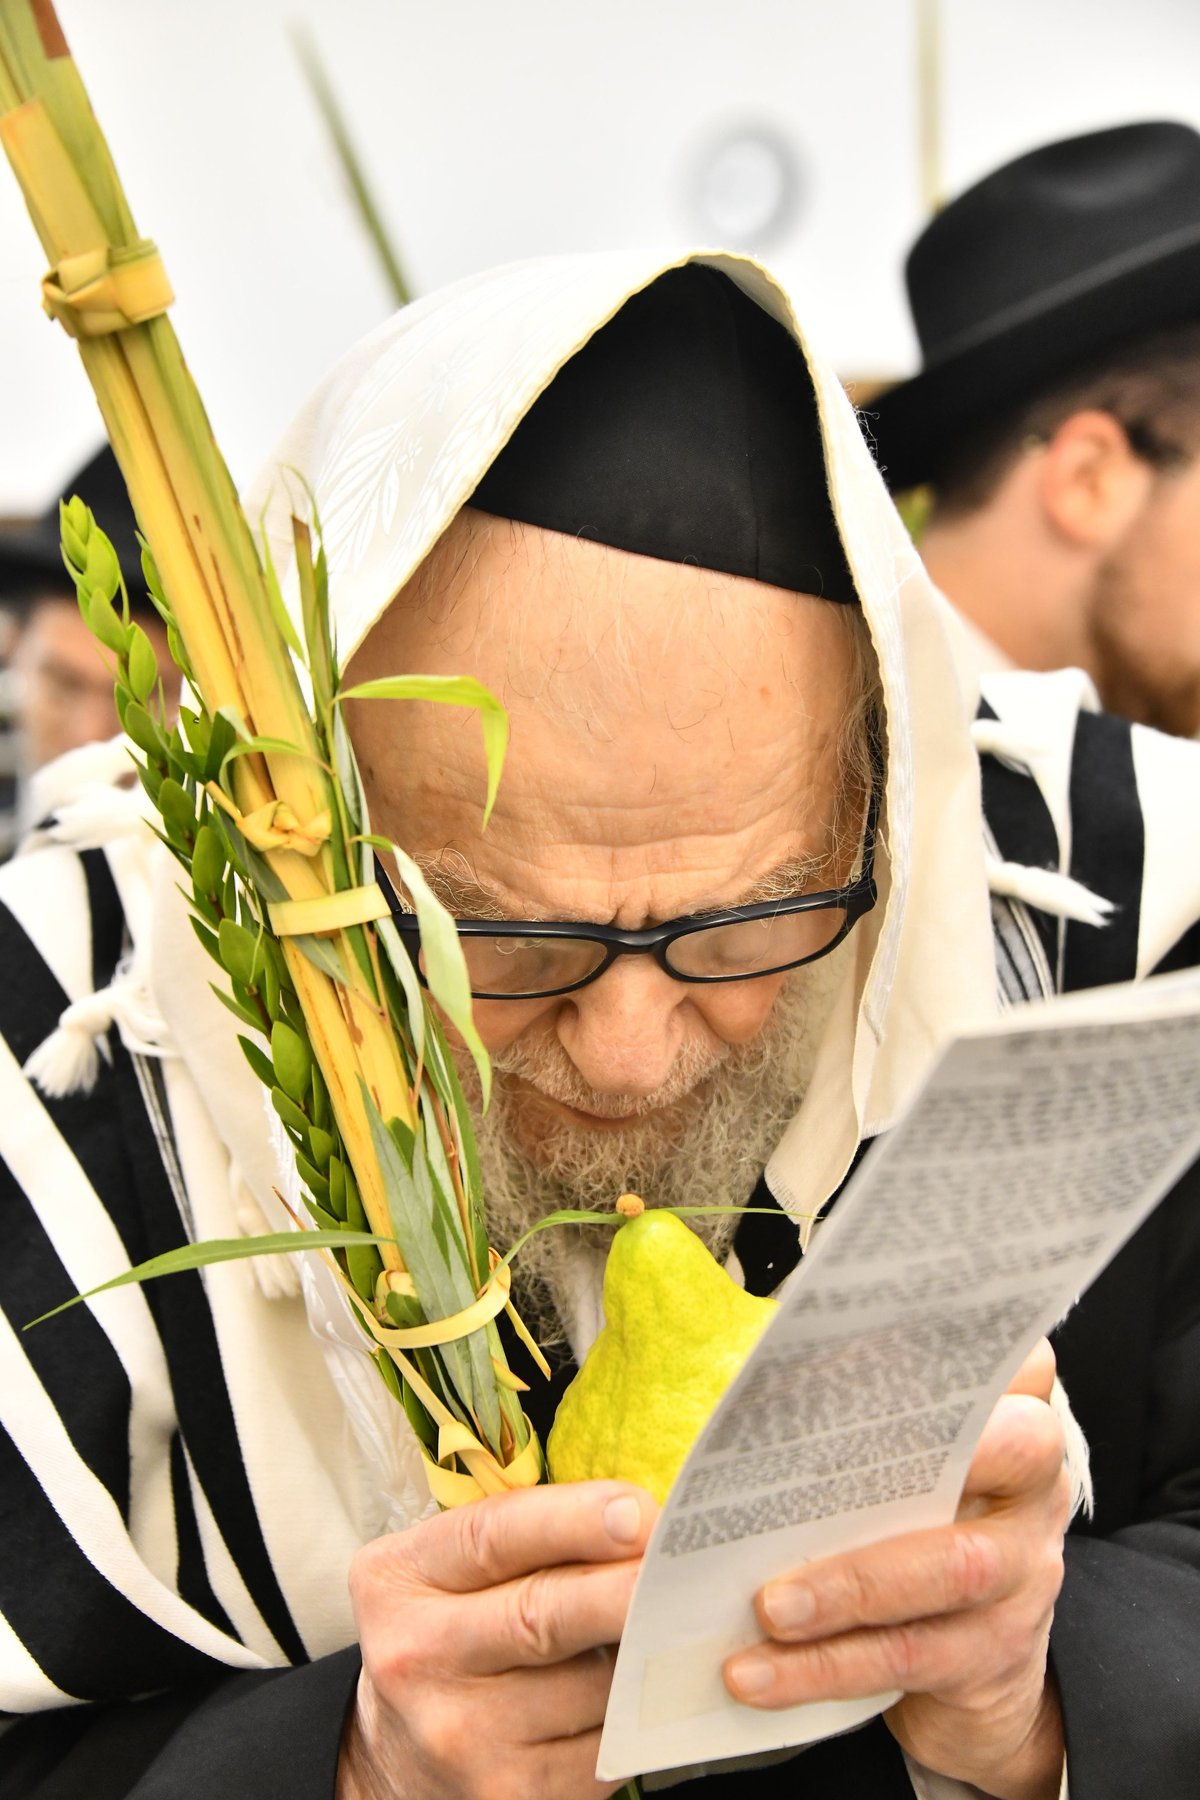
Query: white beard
<point x="702" y="1139"/>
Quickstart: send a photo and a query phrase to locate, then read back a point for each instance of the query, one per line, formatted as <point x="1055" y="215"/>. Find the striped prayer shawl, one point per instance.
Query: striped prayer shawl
<point x="130" y="1534"/>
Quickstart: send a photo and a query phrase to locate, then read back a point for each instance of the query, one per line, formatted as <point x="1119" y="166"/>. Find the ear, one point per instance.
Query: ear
<point x="1092" y="484"/>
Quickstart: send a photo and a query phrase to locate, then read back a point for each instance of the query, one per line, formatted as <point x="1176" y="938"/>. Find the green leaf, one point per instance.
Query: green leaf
<point x="225" y="732"/>
<point x="153" y="581"/>
<point x="336" y="1176"/>
<point x="320" y="1098"/>
<point x="440" y="1277"/>
<point x="322" y="954"/>
<point x="150" y="777"/>
<point x="207" y="938"/>
<point x="259" y="1061"/>
<point x="205" y="908"/>
<point x="289" y="1112"/>
<point x="208" y="861"/>
<point x="104" y="623"/>
<point x="314" y="611"/>
<point x="221" y="1250"/>
<point x="178" y="649"/>
<point x="401" y="964"/>
<point x="279" y="611"/>
<point x="177" y="808"/>
<point x="142" y="729"/>
<point x="417" y="1417"/>
<point x="143" y="664"/>
<point x="325" y="1221"/>
<point x="390" y="1376"/>
<point x="449" y="690"/>
<point x="364" y="1267"/>
<point x="321" y="1145"/>
<point x="242" y="1013"/>
<point x="101" y="566"/>
<point x="293" y="1062"/>
<point x="241" y="952"/>
<point x="312" y="1177"/>
<point x="404" y="1310"/>
<point x="445" y="968"/>
<point x="198" y="727"/>
<point x="74" y="523"/>
<point x="261" y="746"/>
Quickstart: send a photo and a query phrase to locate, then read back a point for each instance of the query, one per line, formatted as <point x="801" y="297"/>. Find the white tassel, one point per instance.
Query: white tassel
<point x="69" y="1060"/>
<point x="94" y="818"/>
<point x="996" y="737"/>
<point x="1076" y="1454"/>
<point x="58" y="783"/>
<point x="1047" y="891"/>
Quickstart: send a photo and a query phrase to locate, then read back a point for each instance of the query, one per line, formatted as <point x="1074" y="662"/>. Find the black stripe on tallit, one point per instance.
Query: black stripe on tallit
<point x="113" y="1141"/>
<point x="1107" y="851"/>
<point x="184" y="1322"/>
<point x="150" y="1225"/>
<point x="191" y="1579"/>
<point x="180" y="1310"/>
<point x="1183" y="955"/>
<point x="71" y="1356"/>
<point x="1022" y="827"/>
<point x="88" y="1638"/>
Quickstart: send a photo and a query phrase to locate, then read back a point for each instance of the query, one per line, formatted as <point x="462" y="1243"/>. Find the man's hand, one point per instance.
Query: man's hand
<point x="958" y="1617"/>
<point x="487" y="1639"/>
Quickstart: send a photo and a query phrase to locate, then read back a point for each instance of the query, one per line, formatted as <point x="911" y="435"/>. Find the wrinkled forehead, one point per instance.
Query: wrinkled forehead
<point x="566" y="621"/>
<point x="657" y="662"/>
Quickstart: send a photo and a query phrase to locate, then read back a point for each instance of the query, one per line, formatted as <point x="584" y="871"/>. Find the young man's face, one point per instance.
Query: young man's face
<point x="64" y="682"/>
<point x="675" y="748"/>
<point x="1146" y="609"/>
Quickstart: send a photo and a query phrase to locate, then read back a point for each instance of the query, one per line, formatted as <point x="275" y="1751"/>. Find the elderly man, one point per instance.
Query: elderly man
<point x="604" y="487"/>
<point x="1057" y="414"/>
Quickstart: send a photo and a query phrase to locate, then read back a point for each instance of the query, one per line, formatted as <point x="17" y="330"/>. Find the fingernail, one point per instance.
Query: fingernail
<point x="623" y="1519"/>
<point x="751" y="1675"/>
<point x="787" y="1605"/>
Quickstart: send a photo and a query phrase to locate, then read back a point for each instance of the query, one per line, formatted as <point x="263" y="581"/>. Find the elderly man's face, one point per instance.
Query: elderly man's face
<point x="675" y="739"/>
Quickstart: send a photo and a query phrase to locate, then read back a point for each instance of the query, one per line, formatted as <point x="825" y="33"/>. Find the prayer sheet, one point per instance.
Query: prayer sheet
<point x="1032" y="1152"/>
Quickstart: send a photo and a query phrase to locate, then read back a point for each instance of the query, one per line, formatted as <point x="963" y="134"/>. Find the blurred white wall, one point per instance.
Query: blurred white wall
<point x="500" y="128"/>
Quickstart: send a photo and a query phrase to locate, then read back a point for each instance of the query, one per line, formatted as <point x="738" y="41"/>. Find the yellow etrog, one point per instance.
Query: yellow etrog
<point x="677" y="1331"/>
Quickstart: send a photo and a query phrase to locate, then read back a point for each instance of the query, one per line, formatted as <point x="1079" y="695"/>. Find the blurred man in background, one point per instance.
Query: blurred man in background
<point x="1057" y="415"/>
<point x="59" y="690"/>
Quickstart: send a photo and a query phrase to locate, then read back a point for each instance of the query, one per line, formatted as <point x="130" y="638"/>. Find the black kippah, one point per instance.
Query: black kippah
<point x="686" y="429"/>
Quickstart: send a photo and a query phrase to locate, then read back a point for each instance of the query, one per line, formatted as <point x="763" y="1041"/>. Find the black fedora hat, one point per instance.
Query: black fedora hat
<point x="1072" y="250"/>
<point x="31" y="564"/>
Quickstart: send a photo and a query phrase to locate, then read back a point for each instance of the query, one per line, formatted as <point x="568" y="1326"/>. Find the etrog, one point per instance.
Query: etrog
<point x="677" y="1331"/>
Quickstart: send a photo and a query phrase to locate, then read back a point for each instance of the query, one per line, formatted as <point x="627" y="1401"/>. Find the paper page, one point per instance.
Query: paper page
<point x="1031" y="1154"/>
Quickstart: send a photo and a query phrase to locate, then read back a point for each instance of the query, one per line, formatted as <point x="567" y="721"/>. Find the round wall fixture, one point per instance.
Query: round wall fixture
<point x="745" y="186"/>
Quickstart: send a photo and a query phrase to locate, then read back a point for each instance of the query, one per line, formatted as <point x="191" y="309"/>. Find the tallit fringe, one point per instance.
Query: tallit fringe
<point x="1047" y="891"/>
<point x="1076" y="1454"/>
<point x="69" y="1060"/>
<point x="86" y="810"/>
<point x="996" y="737"/>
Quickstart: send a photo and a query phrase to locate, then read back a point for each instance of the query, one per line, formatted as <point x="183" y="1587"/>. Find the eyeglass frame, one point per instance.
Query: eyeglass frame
<point x="857" y="897"/>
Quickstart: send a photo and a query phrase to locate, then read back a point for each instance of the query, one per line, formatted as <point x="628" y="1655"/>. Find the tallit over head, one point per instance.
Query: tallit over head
<point x="413" y="424"/>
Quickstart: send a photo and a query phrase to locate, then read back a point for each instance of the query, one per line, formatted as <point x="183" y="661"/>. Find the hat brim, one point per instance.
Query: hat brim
<point x="914" y="425"/>
<point x="31" y="564"/>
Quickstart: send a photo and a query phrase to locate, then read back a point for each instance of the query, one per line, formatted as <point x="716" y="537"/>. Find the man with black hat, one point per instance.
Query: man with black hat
<point x="63" y="686"/>
<point x="623" y="494"/>
<point x="1057" y="414"/>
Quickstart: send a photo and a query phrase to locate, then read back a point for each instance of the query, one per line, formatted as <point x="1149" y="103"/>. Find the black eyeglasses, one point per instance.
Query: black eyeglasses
<point x="538" y="959"/>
